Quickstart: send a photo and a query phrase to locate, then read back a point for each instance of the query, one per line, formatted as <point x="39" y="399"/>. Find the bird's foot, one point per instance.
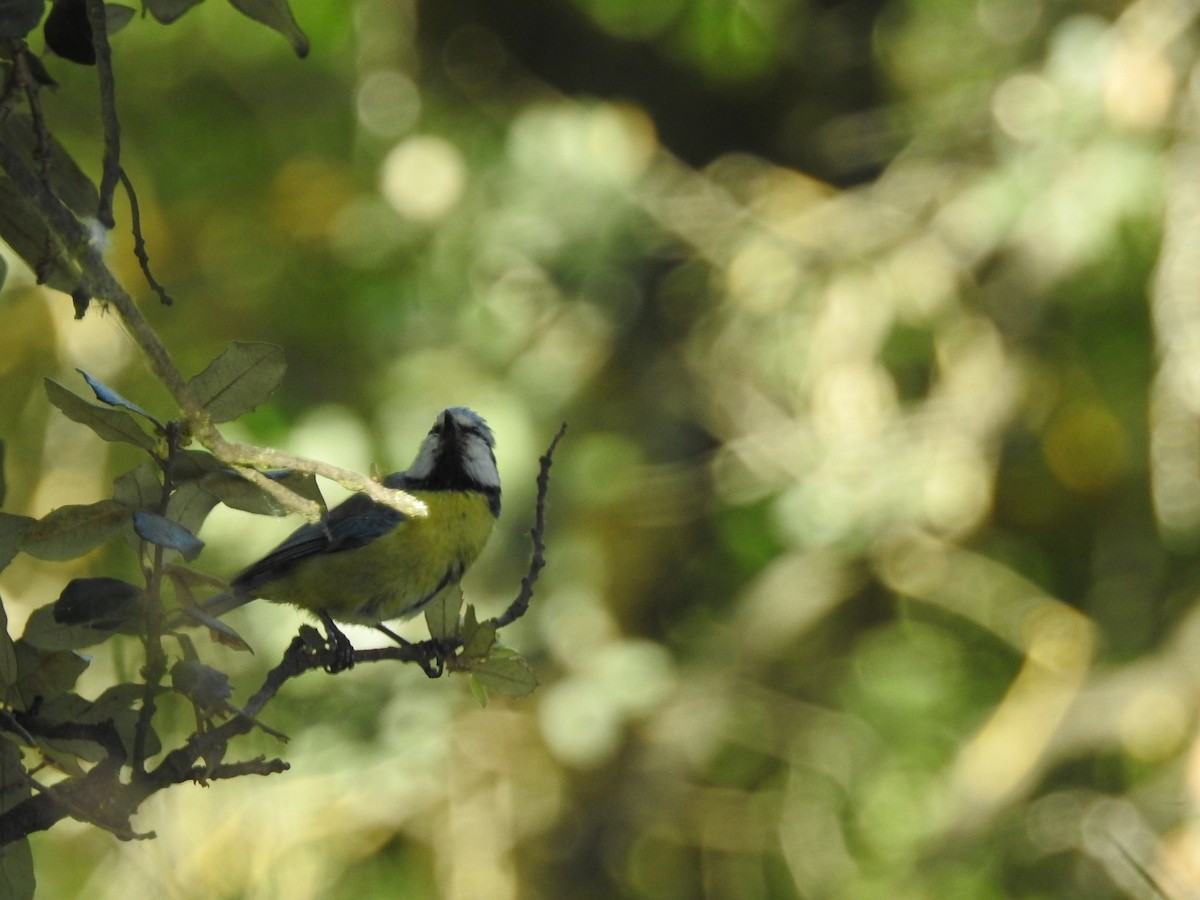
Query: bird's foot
<point x="341" y="650"/>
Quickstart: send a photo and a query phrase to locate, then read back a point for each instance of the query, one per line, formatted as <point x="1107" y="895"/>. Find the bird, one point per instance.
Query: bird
<point x="366" y="563"/>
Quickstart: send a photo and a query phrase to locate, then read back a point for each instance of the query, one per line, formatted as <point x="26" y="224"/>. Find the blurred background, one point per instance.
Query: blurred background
<point x="873" y="544"/>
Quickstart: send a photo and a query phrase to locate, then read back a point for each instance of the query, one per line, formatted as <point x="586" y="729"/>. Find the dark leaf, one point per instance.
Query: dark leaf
<point x="167" y="11"/>
<point x="72" y="531"/>
<point x="117" y="16"/>
<point x="43" y="674"/>
<point x="3" y="272"/>
<point x="222" y="633"/>
<point x="19" y="17"/>
<point x="11" y="529"/>
<point x="190" y="505"/>
<point x="277" y="15"/>
<point x="203" y="685"/>
<point x="25" y="231"/>
<point x="44" y="632"/>
<point x="139" y="488"/>
<point x="112" y="425"/>
<point x="107" y="603"/>
<point x="237" y="493"/>
<point x="8" y="653"/>
<point x="105" y="394"/>
<point x="68" y="32"/>
<point x="191" y="464"/>
<point x="162" y="532"/>
<point x="69" y="182"/>
<point x="238" y="380"/>
<point x="16" y="862"/>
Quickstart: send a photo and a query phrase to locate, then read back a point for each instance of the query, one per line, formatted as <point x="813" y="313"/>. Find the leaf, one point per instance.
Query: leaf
<point x="17" y="19"/>
<point x="277" y="15"/>
<point x="167" y="11"/>
<point x="117" y="16"/>
<point x="45" y="633"/>
<point x="203" y="685"/>
<point x="105" y="394"/>
<point x="238" y="380"/>
<point x="221" y="632"/>
<point x="237" y="493"/>
<point x="162" y="532"/>
<point x="16" y="859"/>
<point x="187" y="465"/>
<point x="506" y="673"/>
<point x="67" y="180"/>
<point x="26" y="232"/>
<point x="478" y="639"/>
<point x="478" y="690"/>
<point x="105" y="603"/>
<point x="139" y="488"/>
<point x="72" y="531"/>
<point x="69" y="33"/>
<point x="441" y="615"/>
<point x="11" y="529"/>
<point x="113" y="425"/>
<point x="3" y="482"/>
<point x="8" y="653"/>
<point x="190" y="505"/>
<point x="43" y="674"/>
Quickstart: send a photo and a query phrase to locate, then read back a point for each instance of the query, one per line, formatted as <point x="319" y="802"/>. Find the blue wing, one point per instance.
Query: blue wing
<point x="351" y="524"/>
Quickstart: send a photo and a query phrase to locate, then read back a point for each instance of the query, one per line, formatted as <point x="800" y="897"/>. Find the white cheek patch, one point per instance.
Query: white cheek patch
<point x="422" y="466"/>
<point x="479" y="463"/>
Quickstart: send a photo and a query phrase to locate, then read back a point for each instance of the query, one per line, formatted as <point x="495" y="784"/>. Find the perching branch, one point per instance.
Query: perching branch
<point x="518" y="607"/>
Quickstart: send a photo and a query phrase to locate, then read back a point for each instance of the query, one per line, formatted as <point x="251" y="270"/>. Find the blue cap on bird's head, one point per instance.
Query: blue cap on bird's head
<point x="457" y="453"/>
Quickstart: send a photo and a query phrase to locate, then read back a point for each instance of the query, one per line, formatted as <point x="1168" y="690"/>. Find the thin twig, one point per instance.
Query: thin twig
<point x="518" y="607"/>
<point x="108" y="112"/>
<point x="139" y="242"/>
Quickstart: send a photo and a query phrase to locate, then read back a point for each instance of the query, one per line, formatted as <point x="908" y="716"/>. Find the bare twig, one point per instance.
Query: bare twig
<point x="139" y="242"/>
<point x="518" y="607"/>
<point x="108" y="112"/>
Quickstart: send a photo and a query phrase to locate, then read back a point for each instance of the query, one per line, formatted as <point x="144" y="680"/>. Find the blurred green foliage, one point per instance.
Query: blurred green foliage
<point x="872" y="564"/>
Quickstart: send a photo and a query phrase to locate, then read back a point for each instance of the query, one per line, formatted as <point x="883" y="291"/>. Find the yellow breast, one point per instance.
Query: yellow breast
<point x="398" y="573"/>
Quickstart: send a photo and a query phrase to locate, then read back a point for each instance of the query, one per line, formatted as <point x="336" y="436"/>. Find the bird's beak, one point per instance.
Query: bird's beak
<point x="447" y="426"/>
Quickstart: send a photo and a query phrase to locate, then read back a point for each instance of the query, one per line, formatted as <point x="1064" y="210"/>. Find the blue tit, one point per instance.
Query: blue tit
<point x="366" y="563"/>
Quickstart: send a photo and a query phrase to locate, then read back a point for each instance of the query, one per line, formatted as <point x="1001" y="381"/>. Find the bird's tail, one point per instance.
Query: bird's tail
<point x="207" y="612"/>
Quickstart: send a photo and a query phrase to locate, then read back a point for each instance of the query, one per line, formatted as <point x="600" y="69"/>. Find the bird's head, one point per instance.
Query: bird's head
<point x="457" y="454"/>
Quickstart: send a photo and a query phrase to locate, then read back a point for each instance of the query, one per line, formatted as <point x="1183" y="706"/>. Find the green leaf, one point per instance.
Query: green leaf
<point x="187" y="465"/>
<point x="205" y="686"/>
<point x="139" y="488"/>
<point x="105" y="394"/>
<point x="106" y="603"/>
<point x="8" y="653"/>
<point x="111" y="424"/>
<point x="117" y="16"/>
<point x="478" y="639"/>
<point x="17" y="19"/>
<point x="43" y="674"/>
<point x="67" y="180"/>
<point x="277" y="15"/>
<point x="26" y="232"/>
<point x="505" y="672"/>
<point x="190" y="505"/>
<point x="16" y="858"/>
<point x="167" y="11"/>
<point x="237" y="493"/>
<point x="43" y="631"/>
<point x="441" y="615"/>
<point x="162" y="532"/>
<point x="3" y="482"/>
<point x="478" y="690"/>
<point x="238" y="380"/>
<point x="71" y="531"/>
<point x="11" y="530"/>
